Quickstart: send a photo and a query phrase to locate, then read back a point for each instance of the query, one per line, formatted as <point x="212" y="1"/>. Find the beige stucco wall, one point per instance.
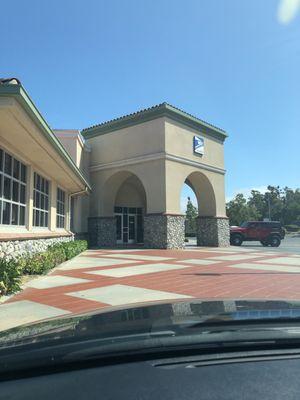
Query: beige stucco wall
<point x="24" y="138"/>
<point x="179" y="141"/>
<point x="135" y="141"/>
<point x="131" y="194"/>
<point x="80" y="153"/>
<point x="20" y="137"/>
<point x="106" y="184"/>
<point x="208" y="187"/>
<point x="160" y="154"/>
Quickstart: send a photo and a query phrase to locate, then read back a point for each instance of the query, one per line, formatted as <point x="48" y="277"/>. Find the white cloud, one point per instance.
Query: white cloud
<point x="247" y="192"/>
<point x="287" y="10"/>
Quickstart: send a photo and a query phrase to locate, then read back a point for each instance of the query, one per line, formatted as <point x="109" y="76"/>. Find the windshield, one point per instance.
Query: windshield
<point x="135" y="141"/>
<point x="244" y="225"/>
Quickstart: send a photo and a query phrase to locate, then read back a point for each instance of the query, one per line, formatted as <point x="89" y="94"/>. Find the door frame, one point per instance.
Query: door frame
<point x="129" y="241"/>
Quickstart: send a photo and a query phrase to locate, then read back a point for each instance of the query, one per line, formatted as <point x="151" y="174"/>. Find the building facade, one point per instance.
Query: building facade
<point x="117" y="183"/>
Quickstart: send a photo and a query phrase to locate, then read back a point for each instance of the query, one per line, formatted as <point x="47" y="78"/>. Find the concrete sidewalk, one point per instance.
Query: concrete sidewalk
<point x="105" y="278"/>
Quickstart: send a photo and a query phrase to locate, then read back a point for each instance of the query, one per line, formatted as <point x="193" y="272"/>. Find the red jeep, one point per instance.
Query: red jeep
<point x="268" y="233"/>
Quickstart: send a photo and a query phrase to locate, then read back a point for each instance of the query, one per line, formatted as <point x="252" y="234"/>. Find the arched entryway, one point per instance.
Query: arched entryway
<point x="129" y="210"/>
<point x="204" y="193"/>
<point x="205" y="220"/>
<point x="123" y="208"/>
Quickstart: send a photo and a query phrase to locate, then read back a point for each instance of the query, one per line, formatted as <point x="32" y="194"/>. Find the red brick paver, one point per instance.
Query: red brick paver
<point x="218" y="281"/>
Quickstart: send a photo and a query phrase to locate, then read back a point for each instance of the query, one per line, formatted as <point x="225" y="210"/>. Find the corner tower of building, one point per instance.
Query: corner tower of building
<point x="138" y="165"/>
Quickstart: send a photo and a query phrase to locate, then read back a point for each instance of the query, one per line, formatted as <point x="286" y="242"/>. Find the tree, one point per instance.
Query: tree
<point x="239" y="211"/>
<point x="257" y="201"/>
<point x="282" y="205"/>
<point x="190" y="218"/>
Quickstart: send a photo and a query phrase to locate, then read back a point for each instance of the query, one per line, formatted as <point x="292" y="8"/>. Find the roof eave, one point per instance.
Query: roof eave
<point x="20" y="94"/>
<point x="164" y="110"/>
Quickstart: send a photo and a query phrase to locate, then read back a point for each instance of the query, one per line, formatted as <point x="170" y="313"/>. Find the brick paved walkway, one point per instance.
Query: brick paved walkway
<point x="105" y="278"/>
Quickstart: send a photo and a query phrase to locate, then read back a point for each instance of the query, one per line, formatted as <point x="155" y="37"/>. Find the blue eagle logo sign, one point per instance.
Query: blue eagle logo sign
<point x="198" y="145"/>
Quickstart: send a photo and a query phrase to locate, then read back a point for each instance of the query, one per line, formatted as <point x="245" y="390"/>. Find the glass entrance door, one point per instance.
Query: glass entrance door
<point x="119" y="228"/>
<point x="129" y="225"/>
<point x="131" y="228"/>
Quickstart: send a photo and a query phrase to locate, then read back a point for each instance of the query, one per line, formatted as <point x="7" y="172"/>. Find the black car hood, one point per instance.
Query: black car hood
<point x="147" y="318"/>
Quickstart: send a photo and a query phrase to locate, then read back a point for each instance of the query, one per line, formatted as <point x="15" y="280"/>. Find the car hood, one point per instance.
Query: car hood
<point x="149" y="318"/>
<point x="237" y="229"/>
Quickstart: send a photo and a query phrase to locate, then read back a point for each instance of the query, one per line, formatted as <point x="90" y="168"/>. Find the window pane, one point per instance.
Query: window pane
<point x="23" y="173"/>
<point x="36" y="218"/>
<point x="22" y="216"/>
<point x="14" y="214"/>
<point x="6" y="213"/>
<point x="0" y="211"/>
<point x="22" y="194"/>
<point x="7" y="188"/>
<point x="8" y="164"/>
<point x="38" y="200"/>
<point x="1" y="185"/>
<point x="16" y="169"/>
<point x="46" y="219"/>
<point x="38" y="182"/>
<point x="15" y="194"/>
<point x="42" y="218"/>
<point x="42" y="201"/>
<point x="1" y="160"/>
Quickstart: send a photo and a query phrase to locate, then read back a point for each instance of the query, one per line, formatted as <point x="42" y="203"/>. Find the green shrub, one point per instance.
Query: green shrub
<point x="58" y="253"/>
<point x="41" y="263"/>
<point x="10" y="275"/>
<point x="11" y="270"/>
<point x="74" y="248"/>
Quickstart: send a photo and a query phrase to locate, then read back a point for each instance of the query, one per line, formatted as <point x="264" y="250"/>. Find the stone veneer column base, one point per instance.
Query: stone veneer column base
<point x="164" y="231"/>
<point x="102" y="231"/>
<point x="213" y="231"/>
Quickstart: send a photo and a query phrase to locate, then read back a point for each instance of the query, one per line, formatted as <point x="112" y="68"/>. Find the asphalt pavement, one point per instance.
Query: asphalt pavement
<point x="291" y="244"/>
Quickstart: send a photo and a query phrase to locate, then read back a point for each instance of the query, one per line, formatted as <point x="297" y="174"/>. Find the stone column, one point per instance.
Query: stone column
<point x="164" y="231"/>
<point x="102" y="231"/>
<point x="212" y="231"/>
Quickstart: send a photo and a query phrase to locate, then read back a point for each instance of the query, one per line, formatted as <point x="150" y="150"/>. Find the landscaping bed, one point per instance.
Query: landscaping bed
<point x="12" y="270"/>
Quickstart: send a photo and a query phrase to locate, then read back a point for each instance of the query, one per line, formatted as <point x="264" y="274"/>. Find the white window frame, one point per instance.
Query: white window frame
<point x="22" y="172"/>
<point x="43" y="194"/>
<point x="60" y="209"/>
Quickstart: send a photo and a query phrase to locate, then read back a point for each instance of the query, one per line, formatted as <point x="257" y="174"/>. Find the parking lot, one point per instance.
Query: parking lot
<point x="291" y="244"/>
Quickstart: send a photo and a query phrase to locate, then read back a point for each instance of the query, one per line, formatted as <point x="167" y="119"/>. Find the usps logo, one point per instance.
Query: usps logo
<point x="198" y="145"/>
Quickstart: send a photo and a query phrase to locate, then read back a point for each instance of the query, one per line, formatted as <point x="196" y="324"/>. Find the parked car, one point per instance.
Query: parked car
<point x="268" y="233"/>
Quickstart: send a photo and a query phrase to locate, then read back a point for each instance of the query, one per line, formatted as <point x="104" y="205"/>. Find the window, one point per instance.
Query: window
<point x="12" y="190"/>
<point x="40" y="201"/>
<point x="60" y="208"/>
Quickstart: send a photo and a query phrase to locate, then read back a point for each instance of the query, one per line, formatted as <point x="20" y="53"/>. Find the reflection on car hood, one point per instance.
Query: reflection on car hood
<point x="148" y="319"/>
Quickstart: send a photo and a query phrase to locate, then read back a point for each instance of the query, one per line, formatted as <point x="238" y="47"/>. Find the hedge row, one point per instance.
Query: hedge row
<point x="12" y="270"/>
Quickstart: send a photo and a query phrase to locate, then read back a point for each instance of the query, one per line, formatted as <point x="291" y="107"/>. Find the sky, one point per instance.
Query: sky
<point x="232" y="63"/>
